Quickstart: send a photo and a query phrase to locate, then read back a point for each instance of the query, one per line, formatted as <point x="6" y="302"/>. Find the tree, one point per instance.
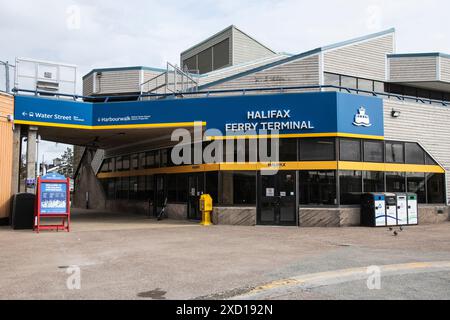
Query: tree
<point x="66" y="167"/>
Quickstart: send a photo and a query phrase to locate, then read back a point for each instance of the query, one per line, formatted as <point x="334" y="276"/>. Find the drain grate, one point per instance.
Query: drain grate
<point x="156" y="294"/>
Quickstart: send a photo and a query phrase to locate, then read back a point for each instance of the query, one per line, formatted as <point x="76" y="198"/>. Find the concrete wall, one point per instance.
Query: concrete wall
<point x="423" y="123"/>
<point x="365" y="59"/>
<point x="86" y="181"/>
<point x="6" y="152"/>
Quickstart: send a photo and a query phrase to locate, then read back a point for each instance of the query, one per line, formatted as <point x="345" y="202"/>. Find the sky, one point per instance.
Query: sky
<point x="107" y="33"/>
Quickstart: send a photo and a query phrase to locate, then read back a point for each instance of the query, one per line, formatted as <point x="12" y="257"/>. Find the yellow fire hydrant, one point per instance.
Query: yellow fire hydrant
<point x="206" y="207"/>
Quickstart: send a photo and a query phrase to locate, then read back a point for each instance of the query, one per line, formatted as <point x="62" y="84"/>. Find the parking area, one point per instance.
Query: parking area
<point x="124" y="256"/>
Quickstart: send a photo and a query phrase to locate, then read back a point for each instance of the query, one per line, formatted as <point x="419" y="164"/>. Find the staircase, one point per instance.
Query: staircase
<point x="172" y="81"/>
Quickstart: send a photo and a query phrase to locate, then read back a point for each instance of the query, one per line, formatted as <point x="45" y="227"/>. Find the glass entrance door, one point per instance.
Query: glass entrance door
<point x="196" y="189"/>
<point x="277" y="201"/>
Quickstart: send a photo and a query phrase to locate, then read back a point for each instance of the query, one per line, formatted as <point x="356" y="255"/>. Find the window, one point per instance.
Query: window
<point x="142" y="160"/>
<point x="190" y="64"/>
<point x="395" y="152"/>
<point x="373" y="181"/>
<point x="124" y="187"/>
<point x="429" y="160"/>
<point x="133" y="192"/>
<point x="126" y="162"/>
<point x="379" y="87"/>
<point x="166" y="158"/>
<point x="204" y="62"/>
<point x="317" y="149"/>
<point x="348" y="82"/>
<point x="350" y="183"/>
<point x="350" y="150"/>
<point x="112" y="164"/>
<point x="172" y="188"/>
<point x="414" y="153"/>
<point x="221" y="53"/>
<point x="149" y="188"/>
<point x="212" y="184"/>
<point x="317" y="188"/>
<point x="119" y="163"/>
<point x="141" y="188"/>
<point x="288" y="149"/>
<point x="182" y="188"/>
<point x="395" y="182"/>
<point x="152" y="159"/>
<point x="366" y="85"/>
<point x="373" y="151"/>
<point x="416" y="184"/>
<point x="134" y="162"/>
<point x="332" y="79"/>
<point x="105" y="166"/>
<point x="111" y="192"/>
<point x="447" y="97"/>
<point x="238" y="188"/>
<point x="435" y="188"/>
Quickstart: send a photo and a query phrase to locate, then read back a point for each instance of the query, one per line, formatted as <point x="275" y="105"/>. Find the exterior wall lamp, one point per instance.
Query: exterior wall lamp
<point x="395" y="113"/>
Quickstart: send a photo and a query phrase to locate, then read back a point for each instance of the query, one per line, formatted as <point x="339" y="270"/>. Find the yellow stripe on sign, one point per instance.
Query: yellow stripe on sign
<point x="299" y="135"/>
<point x="280" y="166"/>
<point x="389" y="167"/>
<point x="111" y="127"/>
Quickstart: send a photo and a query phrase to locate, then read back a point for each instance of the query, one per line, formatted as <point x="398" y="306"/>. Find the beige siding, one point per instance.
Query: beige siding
<point x="88" y="85"/>
<point x="6" y="150"/>
<point x="246" y="49"/>
<point x="364" y="59"/>
<point x="426" y="124"/>
<point x="112" y="82"/>
<point x="207" y="44"/>
<point x="405" y="69"/>
<point x="445" y="69"/>
<point x="150" y="74"/>
<point x="230" y="71"/>
<point x="301" y="72"/>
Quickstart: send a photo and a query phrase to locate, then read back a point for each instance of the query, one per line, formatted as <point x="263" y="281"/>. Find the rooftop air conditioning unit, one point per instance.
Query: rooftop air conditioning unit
<point x="49" y="86"/>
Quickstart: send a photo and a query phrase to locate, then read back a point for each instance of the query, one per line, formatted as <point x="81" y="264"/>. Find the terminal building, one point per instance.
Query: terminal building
<point x="350" y="118"/>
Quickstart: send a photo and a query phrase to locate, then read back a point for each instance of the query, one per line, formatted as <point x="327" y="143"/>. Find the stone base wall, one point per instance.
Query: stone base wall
<point x="329" y="217"/>
<point x="430" y="214"/>
<point x="176" y="211"/>
<point x="234" y="216"/>
<point x="137" y="207"/>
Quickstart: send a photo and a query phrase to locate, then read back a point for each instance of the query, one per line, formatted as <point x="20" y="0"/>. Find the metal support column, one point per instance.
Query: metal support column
<point x="31" y="156"/>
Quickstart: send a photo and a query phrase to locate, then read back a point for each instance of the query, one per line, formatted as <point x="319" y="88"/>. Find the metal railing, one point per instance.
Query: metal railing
<point x="172" y="81"/>
<point x="6" y="76"/>
<point x="272" y="90"/>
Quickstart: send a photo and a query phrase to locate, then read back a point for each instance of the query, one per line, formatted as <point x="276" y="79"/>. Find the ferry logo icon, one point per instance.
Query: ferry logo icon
<point x="362" y="119"/>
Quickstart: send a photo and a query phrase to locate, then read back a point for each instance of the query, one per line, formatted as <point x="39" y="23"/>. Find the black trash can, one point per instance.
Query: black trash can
<point x="22" y="211"/>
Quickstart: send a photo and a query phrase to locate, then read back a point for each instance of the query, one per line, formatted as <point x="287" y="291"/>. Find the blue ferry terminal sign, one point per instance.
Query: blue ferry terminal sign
<point x="289" y="114"/>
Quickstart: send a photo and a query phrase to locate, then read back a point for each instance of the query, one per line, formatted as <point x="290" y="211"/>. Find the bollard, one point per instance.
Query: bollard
<point x="206" y="206"/>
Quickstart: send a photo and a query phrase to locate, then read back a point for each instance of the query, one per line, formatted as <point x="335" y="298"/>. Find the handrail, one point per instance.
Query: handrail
<point x="180" y="78"/>
<point x="209" y="93"/>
